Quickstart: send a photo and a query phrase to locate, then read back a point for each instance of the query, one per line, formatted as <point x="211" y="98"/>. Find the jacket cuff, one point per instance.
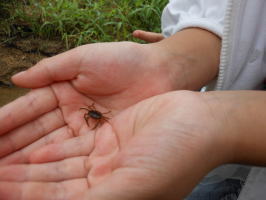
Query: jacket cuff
<point x="208" y="25"/>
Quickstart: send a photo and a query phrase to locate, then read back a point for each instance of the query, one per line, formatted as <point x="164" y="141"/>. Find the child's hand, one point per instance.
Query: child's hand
<point x="114" y="75"/>
<point x="157" y="149"/>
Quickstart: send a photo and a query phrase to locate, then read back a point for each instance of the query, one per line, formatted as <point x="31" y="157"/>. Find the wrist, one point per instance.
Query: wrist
<point x="193" y="55"/>
<point x="247" y="116"/>
<point x="223" y="130"/>
<point x="207" y="122"/>
<point x="242" y="125"/>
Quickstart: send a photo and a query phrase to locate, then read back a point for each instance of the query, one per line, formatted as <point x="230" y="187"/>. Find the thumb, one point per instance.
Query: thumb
<point x="62" y="67"/>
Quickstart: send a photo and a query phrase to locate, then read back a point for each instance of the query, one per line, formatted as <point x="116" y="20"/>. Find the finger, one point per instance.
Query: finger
<point x="70" y="102"/>
<point x="26" y="108"/>
<point x="64" y="66"/>
<point x="30" y="132"/>
<point x="148" y="36"/>
<point x="79" y="146"/>
<point x="68" y="169"/>
<point x="67" y="190"/>
<point x="22" y="156"/>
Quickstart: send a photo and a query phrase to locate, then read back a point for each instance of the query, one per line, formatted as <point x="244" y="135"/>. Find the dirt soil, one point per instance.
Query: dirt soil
<point x="18" y="55"/>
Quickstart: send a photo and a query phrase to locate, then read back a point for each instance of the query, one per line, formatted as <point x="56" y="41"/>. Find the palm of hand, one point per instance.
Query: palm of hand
<point x="126" y="74"/>
<point x="127" y="155"/>
<point x="53" y="112"/>
<point x="123" y="148"/>
<point x="51" y="119"/>
<point x="116" y="75"/>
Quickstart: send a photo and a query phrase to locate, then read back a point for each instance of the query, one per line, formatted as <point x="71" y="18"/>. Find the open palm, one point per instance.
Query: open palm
<point x="145" y="151"/>
<point x="123" y="73"/>
<point x="114" y="75"/>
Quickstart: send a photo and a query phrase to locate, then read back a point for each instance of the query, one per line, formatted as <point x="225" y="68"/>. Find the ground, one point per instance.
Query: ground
<point x="73" y="23"/>
<point x="18" y="55"/>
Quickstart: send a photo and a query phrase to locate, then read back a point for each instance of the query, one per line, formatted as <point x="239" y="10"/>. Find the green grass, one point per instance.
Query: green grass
<point x="78" y="22"/>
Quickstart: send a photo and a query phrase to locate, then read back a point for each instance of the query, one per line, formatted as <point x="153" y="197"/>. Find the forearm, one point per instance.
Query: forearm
<point x="198" y="51"/>
<point x="244" y="120"/>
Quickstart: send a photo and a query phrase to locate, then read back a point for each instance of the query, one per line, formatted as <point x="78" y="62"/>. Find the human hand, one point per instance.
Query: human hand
<point x="123" y="73"/>
<point x="119" y="71"/>
<point x="157" y="149"/>
<point x="115" y="75"/>
<point x="43" y="116"/>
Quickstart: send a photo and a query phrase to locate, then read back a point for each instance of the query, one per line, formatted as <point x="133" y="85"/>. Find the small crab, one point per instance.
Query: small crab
<point x="95" y="115"/>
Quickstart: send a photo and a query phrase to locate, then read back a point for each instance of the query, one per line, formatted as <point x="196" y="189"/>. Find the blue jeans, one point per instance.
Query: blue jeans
<point x="228" y="189"/>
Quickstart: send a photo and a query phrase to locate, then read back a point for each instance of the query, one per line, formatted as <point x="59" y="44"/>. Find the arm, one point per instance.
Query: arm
<point x="244" y="129"/>
<point x="199" y="52"/>
<point x="209" y="15"/>
<point x="193" y="29"/>
<point x="159" y="148"/>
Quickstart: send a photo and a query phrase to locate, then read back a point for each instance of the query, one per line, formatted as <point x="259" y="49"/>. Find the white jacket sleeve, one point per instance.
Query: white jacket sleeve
<point x="206" y="14"/>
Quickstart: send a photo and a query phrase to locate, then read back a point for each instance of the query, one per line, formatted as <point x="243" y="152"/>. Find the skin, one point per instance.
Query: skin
<point x="157" y="149"/>
<point x="200" y="47"/>
<point x="148" y="36"/>
<point x="143" y="153"/>
<point x="111" y="75"/>
<point x="76" y="78"/>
